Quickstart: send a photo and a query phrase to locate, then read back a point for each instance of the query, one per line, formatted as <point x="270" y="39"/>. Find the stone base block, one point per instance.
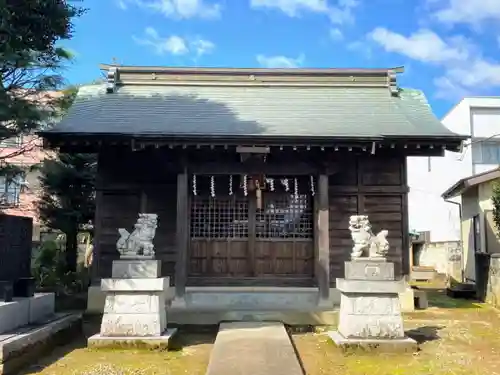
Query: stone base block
<point x="404" y="344"/>
<point x="376" y="326"/>
<point x="371" y="286"/>
<point x="373" y="315"/>
<point x="134" y="303"/>
<point x="134" y="325"/>
<point x="145" y="342"/>
<point x="95" y="300"/>
<point x="406" y="300"/>
<point x="136" y="269"/>
<point x="135" y="285"/>
<point x="369" y="270"/>
<point x="23" y="311"/>
<point x="42" y="305"/>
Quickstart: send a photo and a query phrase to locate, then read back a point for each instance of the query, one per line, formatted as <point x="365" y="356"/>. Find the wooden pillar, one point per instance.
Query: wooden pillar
<point x="95" y="270"/>
<point x="322" y="239"/>
<point x="407" y="253"/>
<point x="182" y="238"/>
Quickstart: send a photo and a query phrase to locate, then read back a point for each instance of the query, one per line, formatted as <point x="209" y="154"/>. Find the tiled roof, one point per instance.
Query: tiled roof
<point x="225" y="110"/>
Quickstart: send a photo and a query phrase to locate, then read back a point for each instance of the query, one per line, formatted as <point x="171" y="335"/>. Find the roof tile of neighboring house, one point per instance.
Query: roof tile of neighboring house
<point x="466" y="183"/>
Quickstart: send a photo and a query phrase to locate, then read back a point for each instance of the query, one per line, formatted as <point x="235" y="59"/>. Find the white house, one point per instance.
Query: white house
<point x="428" y="178"/>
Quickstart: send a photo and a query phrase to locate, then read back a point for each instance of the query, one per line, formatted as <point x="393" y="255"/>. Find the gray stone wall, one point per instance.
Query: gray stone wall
<point x="493" y="283"/>
<point x="445" y="257"/>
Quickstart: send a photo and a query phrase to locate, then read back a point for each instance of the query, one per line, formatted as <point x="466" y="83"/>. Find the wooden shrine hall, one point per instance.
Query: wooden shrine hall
<point x="253" y="173"/>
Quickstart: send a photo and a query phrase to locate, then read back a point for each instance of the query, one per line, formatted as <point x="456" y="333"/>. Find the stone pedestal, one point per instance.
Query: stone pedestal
<point x="370" y="312"/>
<point x="134" y="310"/>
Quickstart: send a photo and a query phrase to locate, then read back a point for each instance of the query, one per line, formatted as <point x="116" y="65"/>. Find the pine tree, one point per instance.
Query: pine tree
<point x="67" y="201"/>
<point x="30" y="65"/>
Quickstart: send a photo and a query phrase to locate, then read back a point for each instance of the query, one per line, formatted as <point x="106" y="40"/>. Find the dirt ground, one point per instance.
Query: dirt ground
<point x="455" y="336"/>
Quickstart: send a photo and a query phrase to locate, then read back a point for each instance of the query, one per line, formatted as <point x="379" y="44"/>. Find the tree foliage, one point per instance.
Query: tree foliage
<point x="496" y="205"/>
<point x="67" y="198"/>
<point x="31" y="63"/>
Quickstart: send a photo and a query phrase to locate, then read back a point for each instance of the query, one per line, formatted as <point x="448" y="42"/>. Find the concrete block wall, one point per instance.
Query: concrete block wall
<point x="493" y="282"/>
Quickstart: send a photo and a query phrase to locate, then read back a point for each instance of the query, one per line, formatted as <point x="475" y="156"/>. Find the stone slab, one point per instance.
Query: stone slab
<point x="369" y="270"/>
<point x="405" y="344"/>
<point x="134" y="303"/>
<point x="134" y="325"/>
<point x="376" y="326"/>
<point x="42" y="305"/>
<point x="14" y="314"/>
<point x="136" y="257"/>
<point x="253" y="348"/>
<point x="126" y="342"/>
<point x="22" y="339"/>
<point x="135" y="285"/>
<point x="371" y="286"/>
<point x="406" y="299"/>
<point x="22" y="311"/>
<point x="136" y="269"/>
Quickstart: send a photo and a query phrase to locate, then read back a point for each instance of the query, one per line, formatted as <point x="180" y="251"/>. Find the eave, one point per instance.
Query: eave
<point x="85" y="142"/>
<point x="464" y="184"/>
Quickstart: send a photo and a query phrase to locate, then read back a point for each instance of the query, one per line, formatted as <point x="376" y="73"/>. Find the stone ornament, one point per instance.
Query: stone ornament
<point x="139" y="243"/>
<point x="366" y="244"/>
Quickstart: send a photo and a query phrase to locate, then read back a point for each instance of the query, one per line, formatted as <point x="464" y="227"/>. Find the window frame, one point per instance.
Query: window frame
<point x="11" y="189"/>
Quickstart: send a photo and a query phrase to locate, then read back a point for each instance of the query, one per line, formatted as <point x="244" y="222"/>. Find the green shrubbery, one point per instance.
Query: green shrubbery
<point x="49" y="271"/>
<point x="495" y="199"/>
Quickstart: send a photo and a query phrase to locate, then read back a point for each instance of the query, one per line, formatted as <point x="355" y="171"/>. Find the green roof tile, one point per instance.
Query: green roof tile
<point x="217" y="110"/>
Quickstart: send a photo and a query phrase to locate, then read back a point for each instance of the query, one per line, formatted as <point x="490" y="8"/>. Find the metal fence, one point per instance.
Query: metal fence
<point x="15" y="257"/>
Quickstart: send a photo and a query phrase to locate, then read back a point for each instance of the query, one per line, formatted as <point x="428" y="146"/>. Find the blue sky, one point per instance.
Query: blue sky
<point x="450" y="48"/>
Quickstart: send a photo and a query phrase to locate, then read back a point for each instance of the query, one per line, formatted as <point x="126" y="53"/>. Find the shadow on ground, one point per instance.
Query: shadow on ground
<point x="50" y="356"/>
<point x="186" y="336"/>
<point x="424" y="334"/>
<point x="438" y="298"/>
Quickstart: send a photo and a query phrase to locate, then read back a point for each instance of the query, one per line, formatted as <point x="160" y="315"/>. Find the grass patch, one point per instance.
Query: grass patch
<point x="189" y="354"/>
<point x="459" y="339"/>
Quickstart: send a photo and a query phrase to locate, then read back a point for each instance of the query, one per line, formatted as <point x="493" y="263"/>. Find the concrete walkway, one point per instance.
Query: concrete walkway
<point x="253" y="348"/>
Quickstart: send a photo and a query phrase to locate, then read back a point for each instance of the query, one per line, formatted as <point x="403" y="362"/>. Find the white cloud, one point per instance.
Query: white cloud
<point x="202" y="46"/>
<point x="339" y="14"/>
<point x="183" y="9"/>
<point x="280" y="61"/>
<point x="336" y="34"/>
<point x="292" y="7"/>
<point x="423" y="45"/>
<point x="465" y="70"/>
<point x="122" y="4"/>
<point x="174" y="44"/>
<point x="465" y="11"/>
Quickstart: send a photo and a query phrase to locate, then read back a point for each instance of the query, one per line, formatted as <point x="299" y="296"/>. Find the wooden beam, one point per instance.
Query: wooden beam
<point x="254" y="168"/>
<point x="322" y="239"/>
<point x="182" y="237"/>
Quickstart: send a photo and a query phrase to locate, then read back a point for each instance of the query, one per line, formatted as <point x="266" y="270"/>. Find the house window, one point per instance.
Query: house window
<point x="10" y="189"/>
<point x="477" y="234"/>
<point x="486" y="152"/>
<point x="13" y="142"/>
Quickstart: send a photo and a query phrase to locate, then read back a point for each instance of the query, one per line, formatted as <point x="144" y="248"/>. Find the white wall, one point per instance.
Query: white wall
<point x="428" y="178"/>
